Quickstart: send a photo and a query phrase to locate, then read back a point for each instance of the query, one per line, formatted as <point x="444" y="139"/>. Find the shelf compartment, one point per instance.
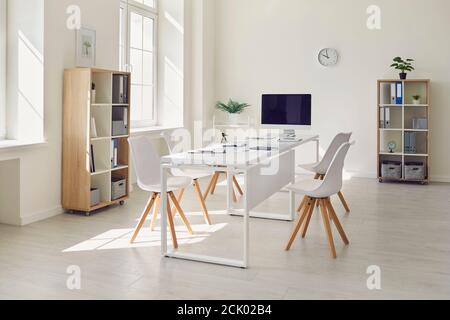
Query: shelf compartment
<point x="413" y="88"/>
<point x="416" y="143"/>
<point x="391" y="117"/>
<point x="415" y="112"/>
<point x="102" y="156"/>
<point x="122" y="173"/>
<point x="102" y="182"/>
<point x="390" y="158"/>
<point x="102" y="117"/>
<point x="385" y="97"/>
<point x="418" y="159"/>
<point x="103" y="87"/>
<point x="386" y="137"/>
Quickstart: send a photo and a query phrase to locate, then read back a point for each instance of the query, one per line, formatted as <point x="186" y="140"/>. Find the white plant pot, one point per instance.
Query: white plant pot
<point x="416" y="101"/>
<point x="233" y="118"/>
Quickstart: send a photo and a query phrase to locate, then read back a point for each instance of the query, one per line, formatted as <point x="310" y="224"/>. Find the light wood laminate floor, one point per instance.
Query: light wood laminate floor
<point x="403" y="229"/>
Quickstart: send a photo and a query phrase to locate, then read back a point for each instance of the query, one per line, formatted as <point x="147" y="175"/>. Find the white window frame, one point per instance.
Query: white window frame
<point x="3" y="35"/>
<point x="132" y="6"/>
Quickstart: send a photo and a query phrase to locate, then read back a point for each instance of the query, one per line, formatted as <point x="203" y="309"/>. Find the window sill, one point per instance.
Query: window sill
<point x="16" y="144"/>
<point x="151" y="130"/>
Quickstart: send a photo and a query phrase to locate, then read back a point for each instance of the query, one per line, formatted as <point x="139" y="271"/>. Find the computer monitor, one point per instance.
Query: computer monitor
<point x="288" y="112"/>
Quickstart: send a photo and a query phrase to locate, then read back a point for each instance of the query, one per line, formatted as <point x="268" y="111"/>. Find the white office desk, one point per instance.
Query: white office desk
<point x="265" y="174"/>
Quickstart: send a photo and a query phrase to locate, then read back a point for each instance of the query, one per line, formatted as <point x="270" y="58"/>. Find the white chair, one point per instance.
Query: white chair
<point x="321" y="168"/>
<point x="146" y="164"/>
<point x="195" y="175"/>
<point x="320" y="191"/>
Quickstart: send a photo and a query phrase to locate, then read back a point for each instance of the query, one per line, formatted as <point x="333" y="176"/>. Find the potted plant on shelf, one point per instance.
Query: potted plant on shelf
<point x="416" y="99"/>
<point x="403" y="65"/>
<point x="233" y="109"/>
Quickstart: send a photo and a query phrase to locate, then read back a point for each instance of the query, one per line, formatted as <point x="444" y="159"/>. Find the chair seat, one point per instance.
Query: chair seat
<point x="173" y="184"/>
<point x="191" y="173"/>
<point x="311" y="167"/>
<point x="307" y="187"/>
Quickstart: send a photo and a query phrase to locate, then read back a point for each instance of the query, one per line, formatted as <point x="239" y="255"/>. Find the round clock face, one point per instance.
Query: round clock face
<point x="328" y="57"/>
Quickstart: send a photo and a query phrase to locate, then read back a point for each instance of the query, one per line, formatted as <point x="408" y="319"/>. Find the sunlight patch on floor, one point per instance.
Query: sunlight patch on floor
<point x="120" y="238"/>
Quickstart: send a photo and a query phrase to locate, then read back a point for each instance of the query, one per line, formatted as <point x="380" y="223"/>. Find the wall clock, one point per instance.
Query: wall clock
<point x="328" y="57"/>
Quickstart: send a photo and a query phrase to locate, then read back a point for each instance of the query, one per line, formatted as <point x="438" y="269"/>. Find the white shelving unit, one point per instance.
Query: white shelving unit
<point x="401" y="118"/>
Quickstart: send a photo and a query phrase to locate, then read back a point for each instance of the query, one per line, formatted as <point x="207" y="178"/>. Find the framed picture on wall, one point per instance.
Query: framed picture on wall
<point x="86" y="47"/>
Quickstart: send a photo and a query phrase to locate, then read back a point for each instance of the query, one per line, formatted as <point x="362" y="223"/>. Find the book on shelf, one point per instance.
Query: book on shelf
<point x="114" y="153"/>
<point x="92" y="159"/>
<point x="393" y="93"/>
<point x="399" y="93"/>
<point x="385" y="118"/>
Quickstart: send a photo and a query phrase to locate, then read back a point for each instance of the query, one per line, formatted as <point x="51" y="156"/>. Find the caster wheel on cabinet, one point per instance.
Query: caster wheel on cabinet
<point x="122" y="203"/>
<point x="88" y="214"/>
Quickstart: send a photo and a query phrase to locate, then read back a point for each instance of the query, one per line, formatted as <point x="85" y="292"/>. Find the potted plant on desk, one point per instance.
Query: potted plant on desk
<point x="233" y="109"/>
<point x="403" y="65"/>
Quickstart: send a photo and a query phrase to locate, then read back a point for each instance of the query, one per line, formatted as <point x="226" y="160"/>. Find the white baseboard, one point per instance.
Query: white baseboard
<point x="39" y="216"/>
<point x="444" y="179"/>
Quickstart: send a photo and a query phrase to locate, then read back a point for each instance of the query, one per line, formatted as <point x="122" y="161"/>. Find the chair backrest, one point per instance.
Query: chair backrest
<point x="170" y="143"/>
<point x="332" y="183"/>
<point x="337" y="142"/>
<point x="146" y="161"/>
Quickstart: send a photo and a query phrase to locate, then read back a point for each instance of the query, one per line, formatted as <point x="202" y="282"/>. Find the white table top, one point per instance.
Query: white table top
<point x="241" y="156"/>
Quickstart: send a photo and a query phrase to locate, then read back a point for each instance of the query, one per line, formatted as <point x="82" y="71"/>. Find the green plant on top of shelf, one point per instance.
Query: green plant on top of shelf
<point x="403" y="65"/>
<point x="232" y="107"/>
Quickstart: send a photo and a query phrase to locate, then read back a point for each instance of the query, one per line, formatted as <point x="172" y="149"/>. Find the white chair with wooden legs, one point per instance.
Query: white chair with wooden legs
<point x="320" y="191"/>
<point x="195" y="175"/>
<point x="321" y="168"/>
<point x="146" y="164"/>
<point x="213" y="184"/>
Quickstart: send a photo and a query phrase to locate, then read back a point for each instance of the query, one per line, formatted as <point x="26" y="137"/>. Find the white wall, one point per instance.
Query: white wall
<point x="2" y="68"/>
<point x="171" y="64"/>
<point x="25" y="70"/>
<point x="40" y="167"/>
<point x="271" y="46"/>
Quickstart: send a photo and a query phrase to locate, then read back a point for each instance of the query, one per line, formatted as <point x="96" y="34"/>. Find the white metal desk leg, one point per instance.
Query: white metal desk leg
<point x="317" y="150"/>
<point x="246" y="224"/>
<point x="292" y="205"/>
<point x="163" y="211"/>
<point x="230" y="206"/>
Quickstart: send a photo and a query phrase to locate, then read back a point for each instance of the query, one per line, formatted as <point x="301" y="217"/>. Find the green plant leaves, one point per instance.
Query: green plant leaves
<point x="232" y="107"/>
<point x="403" y="65"/>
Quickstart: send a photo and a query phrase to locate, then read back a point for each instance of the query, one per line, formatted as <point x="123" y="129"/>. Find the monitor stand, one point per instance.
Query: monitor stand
<point x="289" y="136"/>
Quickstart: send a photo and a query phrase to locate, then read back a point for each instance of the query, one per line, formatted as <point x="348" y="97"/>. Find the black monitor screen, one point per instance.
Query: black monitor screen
<point x="286" y="109"/>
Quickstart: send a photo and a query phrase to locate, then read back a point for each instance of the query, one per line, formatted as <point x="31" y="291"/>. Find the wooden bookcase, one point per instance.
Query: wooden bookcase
<point x="79" y="109"/>
<point x="400" y="125"/>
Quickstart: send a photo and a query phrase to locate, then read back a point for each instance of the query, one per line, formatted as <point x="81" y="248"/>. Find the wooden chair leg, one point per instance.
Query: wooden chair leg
<point x="300" y="207"/>
<point x="344" y="202"/>
<point x="298" y="225"/>
<point x="320" y="177"/>
<point x="238" y="187"/>
<point x="181" y="212"/>
<point x="336" y="221"/>
<point x="210" y="186"/>
<point x="308" y="218"/>
<point x="144" y="216"/>
<point x="155" y="212"/>
<point x="201" y="200"/>
<point x="317" y="176"/>
<point x="179" y="198"/>
<point x="326" y="223"/>
<point x="216" y="180"/>
<point x="171" y="225"/>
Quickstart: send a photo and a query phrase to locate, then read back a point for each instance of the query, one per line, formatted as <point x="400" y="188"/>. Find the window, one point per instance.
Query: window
<point x="138" y="22"/>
